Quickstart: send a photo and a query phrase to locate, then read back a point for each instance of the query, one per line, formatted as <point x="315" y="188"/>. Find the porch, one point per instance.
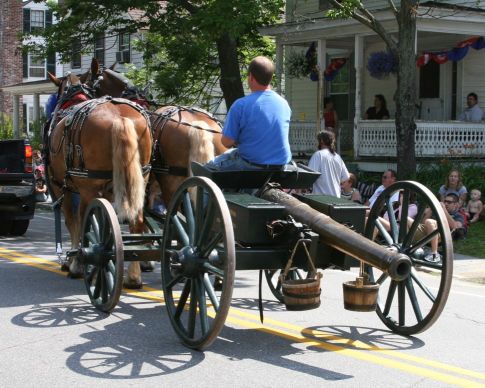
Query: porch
<point x="373" y="142"/>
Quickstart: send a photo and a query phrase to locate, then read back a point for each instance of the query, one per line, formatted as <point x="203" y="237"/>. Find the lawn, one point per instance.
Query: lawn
<point x="474" y="244"/>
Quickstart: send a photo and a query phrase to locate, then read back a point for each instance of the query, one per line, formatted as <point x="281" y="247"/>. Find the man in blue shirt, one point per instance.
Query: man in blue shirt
<point x="258" y="124"/>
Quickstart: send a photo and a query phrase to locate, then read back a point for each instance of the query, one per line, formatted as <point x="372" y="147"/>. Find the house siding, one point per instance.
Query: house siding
<point x="472" y="70"/>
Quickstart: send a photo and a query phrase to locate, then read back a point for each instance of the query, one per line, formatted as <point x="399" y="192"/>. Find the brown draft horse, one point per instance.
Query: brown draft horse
<point x="181" y="134"/>
<point x="110" y="140"/>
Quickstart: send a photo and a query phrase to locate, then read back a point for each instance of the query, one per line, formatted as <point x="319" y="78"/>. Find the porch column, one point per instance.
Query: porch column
<point x="359" y="60"/>
<point x="36" y="112"/>
<point x="279" y="67"/>
<point x="16" y="116"/>
<point x="321" y="61"/>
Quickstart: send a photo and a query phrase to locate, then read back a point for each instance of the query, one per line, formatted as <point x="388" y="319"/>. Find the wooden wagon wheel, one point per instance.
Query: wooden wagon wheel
<point x="102" y="255"/>
<point x="274" y="282"/>
<point x="414" y="304"/>
<point x="198" y="241"/>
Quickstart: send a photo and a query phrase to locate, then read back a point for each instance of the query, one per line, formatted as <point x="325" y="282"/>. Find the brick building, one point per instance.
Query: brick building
<point x="10" y="49"/>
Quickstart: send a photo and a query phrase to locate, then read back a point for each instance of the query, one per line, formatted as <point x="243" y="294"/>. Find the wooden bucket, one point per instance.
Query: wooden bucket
<point x="301" y="294"/>
<point x="359" y="296"/>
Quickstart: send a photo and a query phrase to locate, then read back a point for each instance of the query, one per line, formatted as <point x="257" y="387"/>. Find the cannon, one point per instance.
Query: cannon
<point x="210" y="234"/>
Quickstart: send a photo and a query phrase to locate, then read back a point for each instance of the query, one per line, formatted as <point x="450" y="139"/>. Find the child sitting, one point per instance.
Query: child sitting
<point x="474" y="207"/>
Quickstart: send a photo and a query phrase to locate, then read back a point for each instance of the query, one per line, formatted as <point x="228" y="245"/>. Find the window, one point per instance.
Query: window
<point x="36" y="66"/>
<point x="36" y="20"/>
<point x="76" y="55"/>
<point x="124" y="48"/>
<point x="99" y="49"/>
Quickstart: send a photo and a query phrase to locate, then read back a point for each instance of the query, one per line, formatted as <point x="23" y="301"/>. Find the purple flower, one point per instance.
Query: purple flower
<point x="381" y="64"/>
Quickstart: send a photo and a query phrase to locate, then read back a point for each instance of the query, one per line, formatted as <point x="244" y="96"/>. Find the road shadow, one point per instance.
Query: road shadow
<point x="359" y="337"/>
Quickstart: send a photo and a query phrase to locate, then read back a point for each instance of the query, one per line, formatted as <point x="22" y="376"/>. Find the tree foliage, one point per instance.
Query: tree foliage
<point x="187" y="45"/>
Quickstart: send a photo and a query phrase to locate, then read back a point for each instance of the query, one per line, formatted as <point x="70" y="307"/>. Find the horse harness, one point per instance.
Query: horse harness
<point x="75" y="118"/>
<point x="158" y="121"/>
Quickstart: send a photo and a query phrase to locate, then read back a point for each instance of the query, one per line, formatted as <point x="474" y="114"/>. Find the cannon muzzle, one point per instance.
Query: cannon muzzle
<point x="338" y="236"/>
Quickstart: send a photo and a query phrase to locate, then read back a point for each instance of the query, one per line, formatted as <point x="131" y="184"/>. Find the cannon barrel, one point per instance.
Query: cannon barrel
<point x="338" y="236"/>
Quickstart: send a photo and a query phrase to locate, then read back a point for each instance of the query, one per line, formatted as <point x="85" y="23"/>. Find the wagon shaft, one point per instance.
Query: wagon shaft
<point x="338" y="236"/>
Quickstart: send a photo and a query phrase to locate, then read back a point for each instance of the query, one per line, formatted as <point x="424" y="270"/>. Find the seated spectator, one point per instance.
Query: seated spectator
<point x="474" y="207"/>
<point x="472" y="113"/>
<point x="348" y="190"/>
<point x="329" y="164"/>
<point x="40" y="186"/>
<point x="388" y="178"/>
<point x="379" y="110"/>
<point x="453" y="185"/>
<point x="456" y="218"/>
<point x="331" y="118"/>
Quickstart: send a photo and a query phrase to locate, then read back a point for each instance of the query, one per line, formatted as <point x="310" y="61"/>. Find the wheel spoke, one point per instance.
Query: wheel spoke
<point x="110" y="281"/>
<point x="174" y="281"/>
<point x="207" y="248"/>
<point x="425" y="289"/>
<point x="210" y="292"/>
<point x="199" y="211"/>
<point x="384" y="233"/>
<point x="104" y="288"/>
<point x="206" y="224"/>
<point x="403" y="216"/>
<point x="213" y="270"/>
<point x="97" y="286"/>
<point x="382" y="278"/>
<point x="413" y="299"/>
<point x="182" y="300"/>
<point x="111" y="267"/>
<point x="401" y="289"/>
<point x="95" y="224"/>
<point x="90" y="273"/>
<point x="426" y="239"/>
<point x="390" y="297"/>
<point x="204" y="321"/>
<point x="91" y="237"/>
<point x="189" y="216"/>
<point x="180" y="230"/>
<point x="193" y="307"/>
<point x="414" y="227"/>
<point x="392" y="220"/>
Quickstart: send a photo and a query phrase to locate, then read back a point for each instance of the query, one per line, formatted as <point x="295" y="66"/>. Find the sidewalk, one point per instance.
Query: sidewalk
<point x="470" y="269"/>
<point x="467" y="268"/>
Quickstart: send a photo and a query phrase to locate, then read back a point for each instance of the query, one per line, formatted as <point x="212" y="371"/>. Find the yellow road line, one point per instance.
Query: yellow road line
<point x="316" y="338"/>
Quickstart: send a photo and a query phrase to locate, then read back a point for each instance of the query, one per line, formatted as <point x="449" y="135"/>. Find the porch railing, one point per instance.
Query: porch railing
<point x="378" y="138"/>
<point x="433" y="139"/>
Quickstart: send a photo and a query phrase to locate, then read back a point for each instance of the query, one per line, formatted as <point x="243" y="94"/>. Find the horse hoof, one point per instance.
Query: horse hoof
<point x="132" y="284"/>
<point x="147" y="266"/>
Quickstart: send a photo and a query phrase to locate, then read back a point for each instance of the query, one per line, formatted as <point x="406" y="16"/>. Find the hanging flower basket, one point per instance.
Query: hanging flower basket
<point x="297" y="65"/>
<point x="381" y="64"/>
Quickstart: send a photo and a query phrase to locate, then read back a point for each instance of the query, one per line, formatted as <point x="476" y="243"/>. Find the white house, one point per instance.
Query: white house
<point x="441" y="88"/>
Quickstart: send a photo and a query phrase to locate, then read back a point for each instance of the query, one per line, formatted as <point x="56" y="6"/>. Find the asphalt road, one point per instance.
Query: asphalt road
<point x="51" y="336"/>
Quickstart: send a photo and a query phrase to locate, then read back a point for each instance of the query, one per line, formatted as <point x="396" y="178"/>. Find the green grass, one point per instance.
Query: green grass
<point x="474" y="244"/>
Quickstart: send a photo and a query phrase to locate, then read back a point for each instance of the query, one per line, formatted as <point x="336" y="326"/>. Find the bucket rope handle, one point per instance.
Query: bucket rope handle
<point x="313" y="272"/>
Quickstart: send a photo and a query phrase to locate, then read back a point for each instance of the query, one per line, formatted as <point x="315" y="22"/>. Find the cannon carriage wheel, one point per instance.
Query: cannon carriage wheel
<point x="198" y="246"/>
<point x="412" y="305"/>
<point x="102" y="255"/>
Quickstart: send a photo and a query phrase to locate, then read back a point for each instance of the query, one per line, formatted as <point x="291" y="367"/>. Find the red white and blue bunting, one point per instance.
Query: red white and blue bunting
<point x="332" y="69"/>
<point x="455" y="54"/>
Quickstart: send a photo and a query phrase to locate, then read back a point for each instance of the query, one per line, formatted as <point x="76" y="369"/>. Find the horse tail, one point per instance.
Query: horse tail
<point x="128" y="182"/>
<point x="201" y="144"/>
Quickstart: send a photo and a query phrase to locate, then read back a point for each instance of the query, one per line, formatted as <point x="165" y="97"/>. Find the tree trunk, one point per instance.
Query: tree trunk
<point x="406" y="91"/>
<point x="230" y="82"/>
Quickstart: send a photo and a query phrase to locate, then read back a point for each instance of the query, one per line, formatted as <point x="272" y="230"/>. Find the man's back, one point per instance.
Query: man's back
<point x="259" y="123"/>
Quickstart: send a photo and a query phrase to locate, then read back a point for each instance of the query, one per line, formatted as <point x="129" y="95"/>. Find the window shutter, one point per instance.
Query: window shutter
<point x="51" y="63"/>
<point x="48" y="18"/>
<point x="25" y="60"/>
<point x="26" y="20"/>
